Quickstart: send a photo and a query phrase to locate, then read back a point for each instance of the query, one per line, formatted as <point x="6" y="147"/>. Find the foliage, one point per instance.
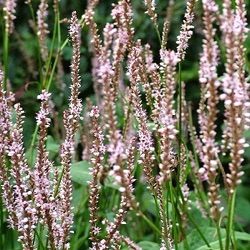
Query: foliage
<point x="135" y="127"/>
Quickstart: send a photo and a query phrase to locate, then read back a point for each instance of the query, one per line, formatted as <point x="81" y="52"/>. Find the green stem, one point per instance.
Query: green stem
<point x="158" y="33"/>
<point x="40" y="242"/>
<point x="219" y="235"/>
<point x="1" y="219"/>
<point x="37" y="39"/>
<point x="57" y="31"/>
<point x="230" y="220"/>
<point x="179" y="129"/>
<point x="150" y="223"/>
<point x="178" y="188"/>
<point x="59" y="51"/>
<point x="50" y="54"/>
<point x="55" y="63"/>
<point x="33" y="145"/>
<point x="174" y="216"/>
<point x="196" y="182"/>
<point x="5" y="58"/>
<point x="192" y="136"/>
<point x="198" y="230"/>
<point x="179" y="111"/>
<point x="58" y="183"/>
<point x="164" y="222"/>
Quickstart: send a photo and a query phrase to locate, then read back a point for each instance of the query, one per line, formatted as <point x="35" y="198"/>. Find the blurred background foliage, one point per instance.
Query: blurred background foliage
<point x="24" y="77"/>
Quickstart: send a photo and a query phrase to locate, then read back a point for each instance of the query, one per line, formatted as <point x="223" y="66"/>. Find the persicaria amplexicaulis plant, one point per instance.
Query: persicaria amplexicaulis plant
<point x="141" y="163"/>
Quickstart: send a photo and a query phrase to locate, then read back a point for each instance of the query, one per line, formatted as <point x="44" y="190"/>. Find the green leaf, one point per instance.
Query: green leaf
<point x="242" y="209"/>
<point x="67" y="53"/>
<point x="148" y="245"/>
<point x="80" y="172"/>
<point x="242" y="236"/>
<point x="52" y="146"/>
<point x="197" y="243"/>
<point x="148" y="203"/>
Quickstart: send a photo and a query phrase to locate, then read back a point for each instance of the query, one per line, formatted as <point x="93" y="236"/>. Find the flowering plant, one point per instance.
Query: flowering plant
<point x="135" y="165"/>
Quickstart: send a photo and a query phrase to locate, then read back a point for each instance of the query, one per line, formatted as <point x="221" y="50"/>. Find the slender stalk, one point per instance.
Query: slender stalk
<point x="179" y="127"/>
<point x="37" y="40"/>
<point x="174" y="215"/>
<point x="58" y="52"/>
<point x="164" y="215"/>
<point x="40" y="241"/>
<point x="50" y="52"/>
<point x="219" y="235"/>
<point x="150" y="223"/>
<point x="57" y="32"/>
<point x="55" y="63"/>
<point x="32" y="145"/>
<point x="158" y="34"/>
<point x="58" y="183"/>
<point x="230" y="219"/>
<point x="1" y="219"/>
<point x="180" y="110"/>
<point x="5" y="57"/>
<point x="192" y="135"/>
<point x="198" y="230"/>
<point x="199" y="190"/>
<point x="178" y="188"/>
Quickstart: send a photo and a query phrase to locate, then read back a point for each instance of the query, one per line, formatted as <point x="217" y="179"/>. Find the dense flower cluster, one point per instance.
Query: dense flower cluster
<point x="42" y="28"/>
<point x="9" y="9"/>
<point x="186" y="30"/>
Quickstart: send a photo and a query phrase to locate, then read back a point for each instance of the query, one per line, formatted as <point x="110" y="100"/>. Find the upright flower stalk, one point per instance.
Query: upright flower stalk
<point x="5" y="125"/>
<point x="24" y="210"/>
<point x="145" y="145"/>
<point x="167" y="116"/>
<point x="71" y="123"/>
<point x="17" y="183"/>
<point x="98" y="151"/>
<point x="43" y="193"/>
<point x="235" y="90"/>
<point x="208" y="108"/>
<point x="235" y="98"/>
<point x="186" y="30"/>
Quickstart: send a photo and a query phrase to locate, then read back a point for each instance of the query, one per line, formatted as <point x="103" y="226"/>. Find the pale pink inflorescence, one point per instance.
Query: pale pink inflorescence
<point x="5" y="125"/>
<point x="151" y="10"/>
<point x="208" y="109"/>
<point x="98" y="150"/>
<point x="9" y="9"/>
<point x="186" y="30"/>
<point x="235" y="96"/>
<point x="145" y="144"/>
<point x="42" y="28"/>
<point x="17" y="182"/>
<point x="167" y="117"/>
<point x="47" y="205"/>
<point x="72" y="117"/>
<point x="24" y="213"/>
